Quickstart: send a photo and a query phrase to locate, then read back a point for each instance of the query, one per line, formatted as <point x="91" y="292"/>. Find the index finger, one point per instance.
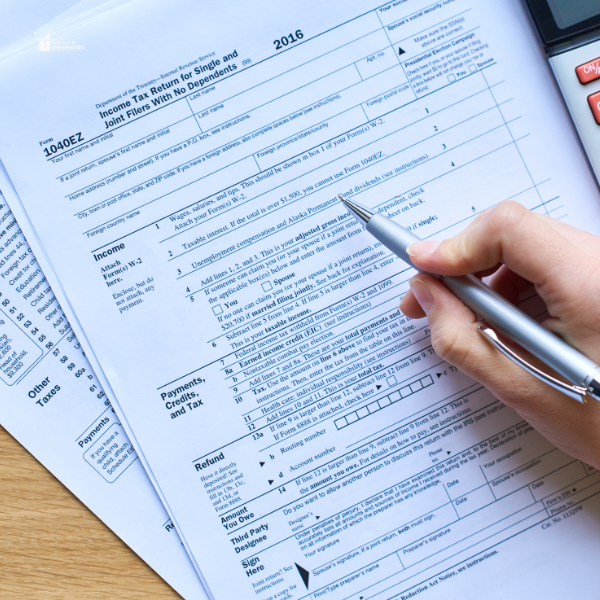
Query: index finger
<point x="512" y="235"/>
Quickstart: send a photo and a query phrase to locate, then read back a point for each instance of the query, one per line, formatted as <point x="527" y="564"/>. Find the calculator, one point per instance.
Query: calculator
<point x="570" y="33"/>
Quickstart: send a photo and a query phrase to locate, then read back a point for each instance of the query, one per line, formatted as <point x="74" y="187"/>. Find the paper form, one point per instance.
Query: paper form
<point x="52" y="403"/>
<point x="306" y="437"/>
<point x="67" y="310"/>
<point x="21" y="21"/>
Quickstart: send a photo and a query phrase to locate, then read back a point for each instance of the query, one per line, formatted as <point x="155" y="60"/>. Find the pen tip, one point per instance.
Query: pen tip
<point x="362" y="213"/>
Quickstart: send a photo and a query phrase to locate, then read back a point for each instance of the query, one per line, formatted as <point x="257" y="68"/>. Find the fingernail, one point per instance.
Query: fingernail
<point x="422" y="248"/>
<point x="402" y="302"/>
<point x="422" y="294"/>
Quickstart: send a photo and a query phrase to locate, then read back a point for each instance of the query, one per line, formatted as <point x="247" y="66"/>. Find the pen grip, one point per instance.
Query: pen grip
<point x="495" y="309"/>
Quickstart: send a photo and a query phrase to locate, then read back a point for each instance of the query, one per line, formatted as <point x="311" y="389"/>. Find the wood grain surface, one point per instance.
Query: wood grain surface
<point x="52" y="546"/>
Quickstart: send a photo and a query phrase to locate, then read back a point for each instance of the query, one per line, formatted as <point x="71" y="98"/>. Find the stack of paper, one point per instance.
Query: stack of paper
<point x="174" y="168"/>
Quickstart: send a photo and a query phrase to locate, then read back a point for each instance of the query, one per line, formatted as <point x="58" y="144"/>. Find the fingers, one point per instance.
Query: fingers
<point x="525" y="242"/>
<point x="454" y="334"/>
<point x="410" y="305"/>
<point x="508" y="234"/>
<point x="509" y="284"/>
<point x="505" y="282"/>
<point x="455" y="338"/>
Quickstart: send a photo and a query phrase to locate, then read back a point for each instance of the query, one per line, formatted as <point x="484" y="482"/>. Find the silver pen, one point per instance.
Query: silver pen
<point x="582" y="372"/>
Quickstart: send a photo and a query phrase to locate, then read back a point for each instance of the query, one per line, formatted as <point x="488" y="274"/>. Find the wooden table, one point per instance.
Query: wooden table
<point x="52" y="546"/>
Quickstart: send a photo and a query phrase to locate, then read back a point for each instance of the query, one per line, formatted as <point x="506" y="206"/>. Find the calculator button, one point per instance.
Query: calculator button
<point x="594" y="102"/>
<point x="588" y="72"/>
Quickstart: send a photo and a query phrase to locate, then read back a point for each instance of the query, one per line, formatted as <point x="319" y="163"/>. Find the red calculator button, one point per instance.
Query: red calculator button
<point x="594" y="102"/>
<point x="588" y="72"/>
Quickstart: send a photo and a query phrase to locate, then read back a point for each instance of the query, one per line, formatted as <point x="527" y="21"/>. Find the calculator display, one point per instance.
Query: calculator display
<point x="559" y="22"/>
<point x="567" y="13"/>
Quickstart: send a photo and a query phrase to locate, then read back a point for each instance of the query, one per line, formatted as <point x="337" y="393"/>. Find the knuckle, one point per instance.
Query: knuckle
<point x="457" y="252"/>
<point x="451" y="344"/>
<point x="462" y="253"/>
<point x="507" y="214"/>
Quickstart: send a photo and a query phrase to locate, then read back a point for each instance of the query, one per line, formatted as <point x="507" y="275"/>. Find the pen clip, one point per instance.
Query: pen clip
<point x="573" y="391"/>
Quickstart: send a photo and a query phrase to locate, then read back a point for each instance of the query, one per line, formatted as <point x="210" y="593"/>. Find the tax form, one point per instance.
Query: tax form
<point x="52" y="402"/>
<point x="307" y="439"/>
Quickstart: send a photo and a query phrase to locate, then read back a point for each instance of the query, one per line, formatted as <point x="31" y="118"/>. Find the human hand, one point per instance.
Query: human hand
<point x="523" y="250"/>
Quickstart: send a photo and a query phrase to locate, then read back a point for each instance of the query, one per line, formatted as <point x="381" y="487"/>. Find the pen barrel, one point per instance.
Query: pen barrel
<point x="392" y="236"/>
<point x="521" y="328"/>
<point x="495" y="309"/>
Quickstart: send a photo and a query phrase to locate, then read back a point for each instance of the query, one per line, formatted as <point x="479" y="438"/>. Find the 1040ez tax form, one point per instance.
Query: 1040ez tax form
<point x="302" y="432"/>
